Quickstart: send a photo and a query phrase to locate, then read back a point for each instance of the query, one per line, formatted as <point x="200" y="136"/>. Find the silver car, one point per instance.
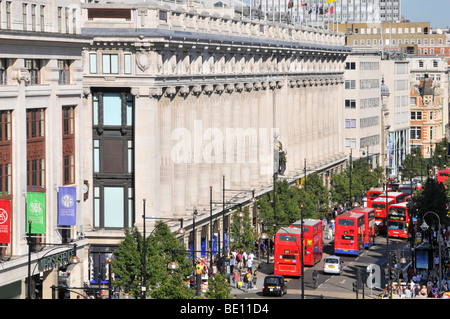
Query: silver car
<point x="332" y="265"/>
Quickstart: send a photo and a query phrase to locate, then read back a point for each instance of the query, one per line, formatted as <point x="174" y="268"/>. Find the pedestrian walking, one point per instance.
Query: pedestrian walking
<point x="255" y="278"/>
<point x="246" y="282"/>
<point x="412" y="287"/>
<point x="236" y="278"/>
<point x="250" y="264"/>
<point x="330" y="232"/>
<point x="315" y="277"/>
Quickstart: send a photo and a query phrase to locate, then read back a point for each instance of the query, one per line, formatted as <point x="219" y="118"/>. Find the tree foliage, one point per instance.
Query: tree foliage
<point x="218" y="287"/>
<point x="361" y="178"/>
<point x="161" y="246"/>
<point x="242" y="231"/>
<point x="433" y="197"/>
<point x="311" y="197"/>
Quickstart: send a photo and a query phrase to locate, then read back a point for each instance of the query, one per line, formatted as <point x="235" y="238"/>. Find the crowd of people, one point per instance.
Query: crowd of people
<point x="425" y="283"/>
<point x="241" y="268"/>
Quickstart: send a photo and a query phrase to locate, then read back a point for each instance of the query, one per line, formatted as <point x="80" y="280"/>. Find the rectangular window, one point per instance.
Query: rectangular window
<point x="350" y="123"/>
<point x="42" y="18"/>
<point x="110" y="63"/>
<point x="95" y="13"/>
<point x="74" y="21"/>
<point x="350" y="104"/>
<point x="416" y="133"/>
<point x="350" y="84"/>
<point x="113" y="159"/>
<point x="8" y="15"/>
<point x="24" y="16"/>
<point x="93" y="63"/>
<point x="66" y="20"/>
<point x="5" y="154"/>
<point x="350" y="66"/>
<point x="112" y="109"/>
<point x="36" y="150"/>
<point x="416" y="115"/>
<point x="64" y="71"/>
<point x="34" y="68"/>
<point x="114" y="206"/>
<point x="60" y="20"/>
<point x="68" y="143"/>
<point x="350" y="143"/>
<point x="3" y="69"/>
<point x="127" y="63"/>
<point x="33" y="17"/>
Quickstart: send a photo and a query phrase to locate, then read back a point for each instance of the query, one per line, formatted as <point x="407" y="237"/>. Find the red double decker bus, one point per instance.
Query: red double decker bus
<point x="442" y="175"/>
<point x="379" y="206"/>
<point x="349" y="233"/>
<point x="398" y="220"/>
<point x="287" y="252"/>
<point x="313" y="238"/>
<point x="399" y="197"/>
<point x="369" y="224"/>
<point x="374" y="193"/>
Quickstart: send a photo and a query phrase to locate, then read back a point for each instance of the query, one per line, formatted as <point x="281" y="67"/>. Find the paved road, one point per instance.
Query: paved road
<point x="330" y="286"/>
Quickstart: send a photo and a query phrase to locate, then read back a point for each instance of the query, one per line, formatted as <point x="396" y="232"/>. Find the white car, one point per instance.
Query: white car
<point x="332" y="265"/>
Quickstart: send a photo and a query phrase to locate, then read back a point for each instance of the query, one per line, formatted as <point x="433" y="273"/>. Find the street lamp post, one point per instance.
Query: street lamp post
<point x="424" y="227"/>
<point x="144" y="246"/>
<point x="302" y="263"/>
<point x="387" y="244"/>
<point x="302" y="253"/>
<point x="73" y="259"/>
<point x="144" y="258"/>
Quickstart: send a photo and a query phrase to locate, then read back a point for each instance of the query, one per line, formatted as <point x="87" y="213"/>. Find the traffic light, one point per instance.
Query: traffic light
<point x="355" y="286"/>
<point x="386" y="273"/>
<point x="393" y="274"/>
<point x="394" y="259"/>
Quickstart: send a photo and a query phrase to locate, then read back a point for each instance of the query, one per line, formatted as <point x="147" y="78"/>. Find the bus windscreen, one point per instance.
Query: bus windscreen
<point x="283" y="237"/>
<point x="346" y="222"/>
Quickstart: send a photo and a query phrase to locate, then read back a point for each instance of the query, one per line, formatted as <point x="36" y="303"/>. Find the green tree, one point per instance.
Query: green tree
<point x="440" y="159"/>
<point x="318" y="192"/>
<point x="414" y="164"/>
<point x="161" y="247"/>
<point x="289" y="203"/>
<point x="127" y="263"/>
<point x="242" y="230"/>
<point x="433" y="197"/>
<point x="218" y="287"/>
<point x="361" y="178"/>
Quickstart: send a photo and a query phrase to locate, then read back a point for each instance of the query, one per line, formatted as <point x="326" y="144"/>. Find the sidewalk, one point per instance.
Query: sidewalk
<point x="263" y="270"/>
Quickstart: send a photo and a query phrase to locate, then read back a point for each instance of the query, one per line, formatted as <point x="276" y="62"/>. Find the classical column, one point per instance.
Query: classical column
<point x="236" y="123"/>
<point x="297" y="122"/>
<point x="146" y="151"/>
<point x="309" y="121"/>
<point x="302" y="121"/>
<point x="178" y="159"/>
<point x="191" y="116"/>
<point x="265" y="150"/>
<point x="316" y="108"/>
<point x="254" y="124"/>
<point x="204" y="173"/>
<point x="166" y="177"/>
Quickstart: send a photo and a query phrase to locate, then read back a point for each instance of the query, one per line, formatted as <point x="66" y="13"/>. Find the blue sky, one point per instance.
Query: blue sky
<point x="437" y="12"/>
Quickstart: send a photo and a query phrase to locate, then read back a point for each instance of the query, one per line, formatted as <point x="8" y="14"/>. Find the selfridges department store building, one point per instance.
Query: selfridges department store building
<point x="171" y="106"/>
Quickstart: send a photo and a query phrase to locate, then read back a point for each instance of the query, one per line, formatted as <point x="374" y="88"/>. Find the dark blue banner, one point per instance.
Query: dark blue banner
<point x="67" y="206"/>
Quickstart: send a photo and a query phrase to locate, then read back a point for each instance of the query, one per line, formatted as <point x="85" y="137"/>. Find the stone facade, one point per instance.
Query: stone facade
<point x="41" y="82"/>
<point x="209" y="95"/>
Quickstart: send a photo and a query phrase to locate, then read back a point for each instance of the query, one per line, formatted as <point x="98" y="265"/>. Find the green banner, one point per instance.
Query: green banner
<point x="36" y="212"/>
